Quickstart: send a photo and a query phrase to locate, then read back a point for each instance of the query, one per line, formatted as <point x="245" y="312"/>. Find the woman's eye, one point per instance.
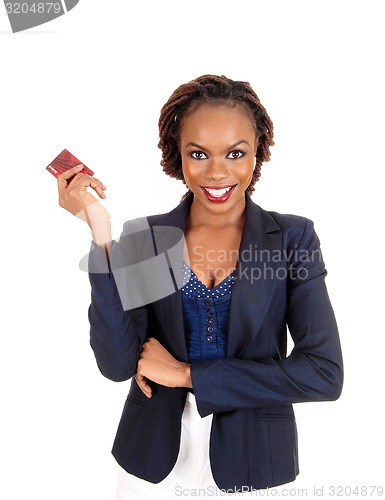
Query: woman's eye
<point x="234" y="155"/>
<point x="198" y="155"/>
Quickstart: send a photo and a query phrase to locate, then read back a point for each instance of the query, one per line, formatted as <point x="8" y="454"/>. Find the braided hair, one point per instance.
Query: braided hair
<point x="216" y="90"/>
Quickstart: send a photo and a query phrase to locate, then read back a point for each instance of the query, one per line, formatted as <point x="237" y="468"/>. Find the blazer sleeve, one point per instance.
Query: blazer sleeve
<point x="312" y="372"/>
<point x="116" y="333"/>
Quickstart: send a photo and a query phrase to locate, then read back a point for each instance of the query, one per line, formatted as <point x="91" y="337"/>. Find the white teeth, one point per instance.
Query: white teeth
<point x="218" y="192"/>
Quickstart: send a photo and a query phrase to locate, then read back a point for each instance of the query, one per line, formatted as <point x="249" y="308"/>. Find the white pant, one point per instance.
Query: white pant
<point x="191" y="477"/>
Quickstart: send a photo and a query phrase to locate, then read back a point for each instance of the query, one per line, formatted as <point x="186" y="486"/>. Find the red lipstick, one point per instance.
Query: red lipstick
<point x="218" y="194"/>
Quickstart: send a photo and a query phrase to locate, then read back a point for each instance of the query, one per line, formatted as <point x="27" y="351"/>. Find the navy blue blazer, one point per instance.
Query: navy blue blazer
<point x="279" y="284"/>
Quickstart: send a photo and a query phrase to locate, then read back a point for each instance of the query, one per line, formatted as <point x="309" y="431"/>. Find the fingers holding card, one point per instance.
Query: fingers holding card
<point x="74" y="178"/>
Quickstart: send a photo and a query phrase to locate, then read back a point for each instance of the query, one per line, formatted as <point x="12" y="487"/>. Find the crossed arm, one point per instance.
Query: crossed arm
<point x="157" y="364"/>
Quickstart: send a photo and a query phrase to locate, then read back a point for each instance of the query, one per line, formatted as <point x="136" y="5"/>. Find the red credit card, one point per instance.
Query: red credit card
<point x="64" y="161"/>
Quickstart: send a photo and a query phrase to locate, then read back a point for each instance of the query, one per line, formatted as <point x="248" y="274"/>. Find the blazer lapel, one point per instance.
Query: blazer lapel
<point x="255" y="277"/>
<point x="168" y="236"/>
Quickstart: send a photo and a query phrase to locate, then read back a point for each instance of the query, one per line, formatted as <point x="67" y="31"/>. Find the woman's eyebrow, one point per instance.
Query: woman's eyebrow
<point x="230" y="147"/>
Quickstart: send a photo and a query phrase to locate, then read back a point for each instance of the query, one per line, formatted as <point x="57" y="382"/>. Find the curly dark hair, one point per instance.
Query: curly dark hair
<point x="216" y="90"/>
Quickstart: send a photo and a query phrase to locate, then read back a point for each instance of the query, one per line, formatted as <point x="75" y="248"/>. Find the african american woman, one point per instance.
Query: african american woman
<point x="194" y="306"/>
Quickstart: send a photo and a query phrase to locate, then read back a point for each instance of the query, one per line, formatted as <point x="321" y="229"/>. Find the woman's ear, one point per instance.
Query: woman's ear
<point x="256" y="144"/>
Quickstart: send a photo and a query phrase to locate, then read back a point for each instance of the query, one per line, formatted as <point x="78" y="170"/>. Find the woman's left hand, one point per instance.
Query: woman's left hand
<point x="157" y="364"/>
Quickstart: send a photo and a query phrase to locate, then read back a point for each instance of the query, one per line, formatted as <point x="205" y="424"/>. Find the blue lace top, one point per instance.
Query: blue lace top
<point x="206" y="315"/>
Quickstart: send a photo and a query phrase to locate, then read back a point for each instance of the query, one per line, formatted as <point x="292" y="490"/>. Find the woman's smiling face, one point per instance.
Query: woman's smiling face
<point x="218" y="144"/>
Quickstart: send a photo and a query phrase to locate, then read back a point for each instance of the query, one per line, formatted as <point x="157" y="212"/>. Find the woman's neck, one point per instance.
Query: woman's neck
<point x="200" y="216"/>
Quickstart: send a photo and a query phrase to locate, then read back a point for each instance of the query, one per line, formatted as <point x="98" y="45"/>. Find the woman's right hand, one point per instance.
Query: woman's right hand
<point x="76" y="199"/>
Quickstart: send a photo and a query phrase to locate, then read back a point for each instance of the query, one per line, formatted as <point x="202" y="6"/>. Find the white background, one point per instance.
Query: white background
<point x="93" y="81"/>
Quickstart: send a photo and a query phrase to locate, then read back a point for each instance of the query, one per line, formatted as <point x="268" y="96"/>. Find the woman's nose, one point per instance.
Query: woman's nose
<point x="217" y="170"/>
